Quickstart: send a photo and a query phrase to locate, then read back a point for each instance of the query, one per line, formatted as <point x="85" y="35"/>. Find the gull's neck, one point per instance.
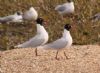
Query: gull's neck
<point x="69" y="1"/>
<point x="40" y="28"/>
<point x="32" y="9"/>
<point x="66" y="33"/>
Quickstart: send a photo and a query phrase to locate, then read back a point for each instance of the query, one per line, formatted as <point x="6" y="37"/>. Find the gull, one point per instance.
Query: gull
<point x="64" y="42"/>
<point x="39" y="39"/>
<point x="66" y="8"/>
<point x="30" y="15"/>
<point x="17" y="17"/>
<point x="96" y="17"/>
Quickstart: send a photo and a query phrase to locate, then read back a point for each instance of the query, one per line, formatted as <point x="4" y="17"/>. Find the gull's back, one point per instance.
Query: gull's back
<point x="65" y="8"/>
<point x="31" y="14"/>
<point x="58" y="44"/>
<point x="33" y="42"/>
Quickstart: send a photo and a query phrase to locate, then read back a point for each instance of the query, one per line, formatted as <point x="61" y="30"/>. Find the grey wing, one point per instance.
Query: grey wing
<point x="98" y="14"/>
<point x="33" y="42"/>
<point x="26" y="15"/>
<point x="6" y="19"/>
<point x="58" y="44"/>
<point x="17" y="19"/>
<point x="37" y="42"/>
<point x="61" y="8"/>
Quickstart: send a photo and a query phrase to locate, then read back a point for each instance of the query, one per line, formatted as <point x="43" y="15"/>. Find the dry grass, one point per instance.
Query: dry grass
<point x="82" y="59"/>
<point x="82" y="32"/>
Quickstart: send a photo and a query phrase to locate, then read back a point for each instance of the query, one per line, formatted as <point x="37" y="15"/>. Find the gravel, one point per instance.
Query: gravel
<point x="82" y="59"/>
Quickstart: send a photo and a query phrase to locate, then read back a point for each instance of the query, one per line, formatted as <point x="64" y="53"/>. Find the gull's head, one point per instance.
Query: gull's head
<point x="31" y="8"/>
<point x="67" y="27"/>
<point x="19" y="13"/>
<point x="40" y="21"/>
<point x="69" y="1"/>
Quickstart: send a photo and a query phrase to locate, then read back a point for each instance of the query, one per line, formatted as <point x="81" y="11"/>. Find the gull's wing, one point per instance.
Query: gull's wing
<point x="58" y="44"/>
<point x="31" y="14"/>
<point x="33" y="42"/>
<point x="18" y="19"/>
<point x="26" y="14"/>
<point x="6" y="19"/>
<point x="60" y="8"/>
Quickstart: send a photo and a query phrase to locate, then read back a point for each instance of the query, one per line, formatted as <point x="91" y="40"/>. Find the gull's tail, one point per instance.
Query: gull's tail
<point x="18" y="46"/>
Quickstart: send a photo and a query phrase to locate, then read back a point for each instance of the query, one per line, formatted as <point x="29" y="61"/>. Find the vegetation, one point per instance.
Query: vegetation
<point x="83" y="30"/>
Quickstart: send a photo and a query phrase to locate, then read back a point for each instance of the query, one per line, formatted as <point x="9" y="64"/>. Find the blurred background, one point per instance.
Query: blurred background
<point x="83" y="31"/>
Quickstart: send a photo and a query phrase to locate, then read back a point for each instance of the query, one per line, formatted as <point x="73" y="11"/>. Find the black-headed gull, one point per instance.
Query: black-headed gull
<point x="65" y="8"/>
<point x="30" y="15"/>
<point x="39" y="39"/>
<point x="17" y="17"/>
<point x="64" y="42"/>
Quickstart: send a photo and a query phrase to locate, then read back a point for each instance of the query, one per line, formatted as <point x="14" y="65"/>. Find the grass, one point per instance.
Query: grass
<point x="82" y="31"/>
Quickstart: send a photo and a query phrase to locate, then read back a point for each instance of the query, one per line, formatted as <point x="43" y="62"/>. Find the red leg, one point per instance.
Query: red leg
<point x="57" y="55"/>
<point x="65" y="55"/>
<point x="36" y="52"/>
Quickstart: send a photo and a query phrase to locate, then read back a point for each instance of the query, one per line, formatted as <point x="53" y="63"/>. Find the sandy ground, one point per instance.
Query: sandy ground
<point x="82" y="59"/>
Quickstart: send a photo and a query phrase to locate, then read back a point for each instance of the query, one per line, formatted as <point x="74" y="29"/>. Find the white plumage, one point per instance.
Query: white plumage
<point x="39" y="39"/>
<point x="65" y="8"/>
<point x="30" y="15"/>
<point x="64" y="42"/>
<point x="17" y="17"/>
